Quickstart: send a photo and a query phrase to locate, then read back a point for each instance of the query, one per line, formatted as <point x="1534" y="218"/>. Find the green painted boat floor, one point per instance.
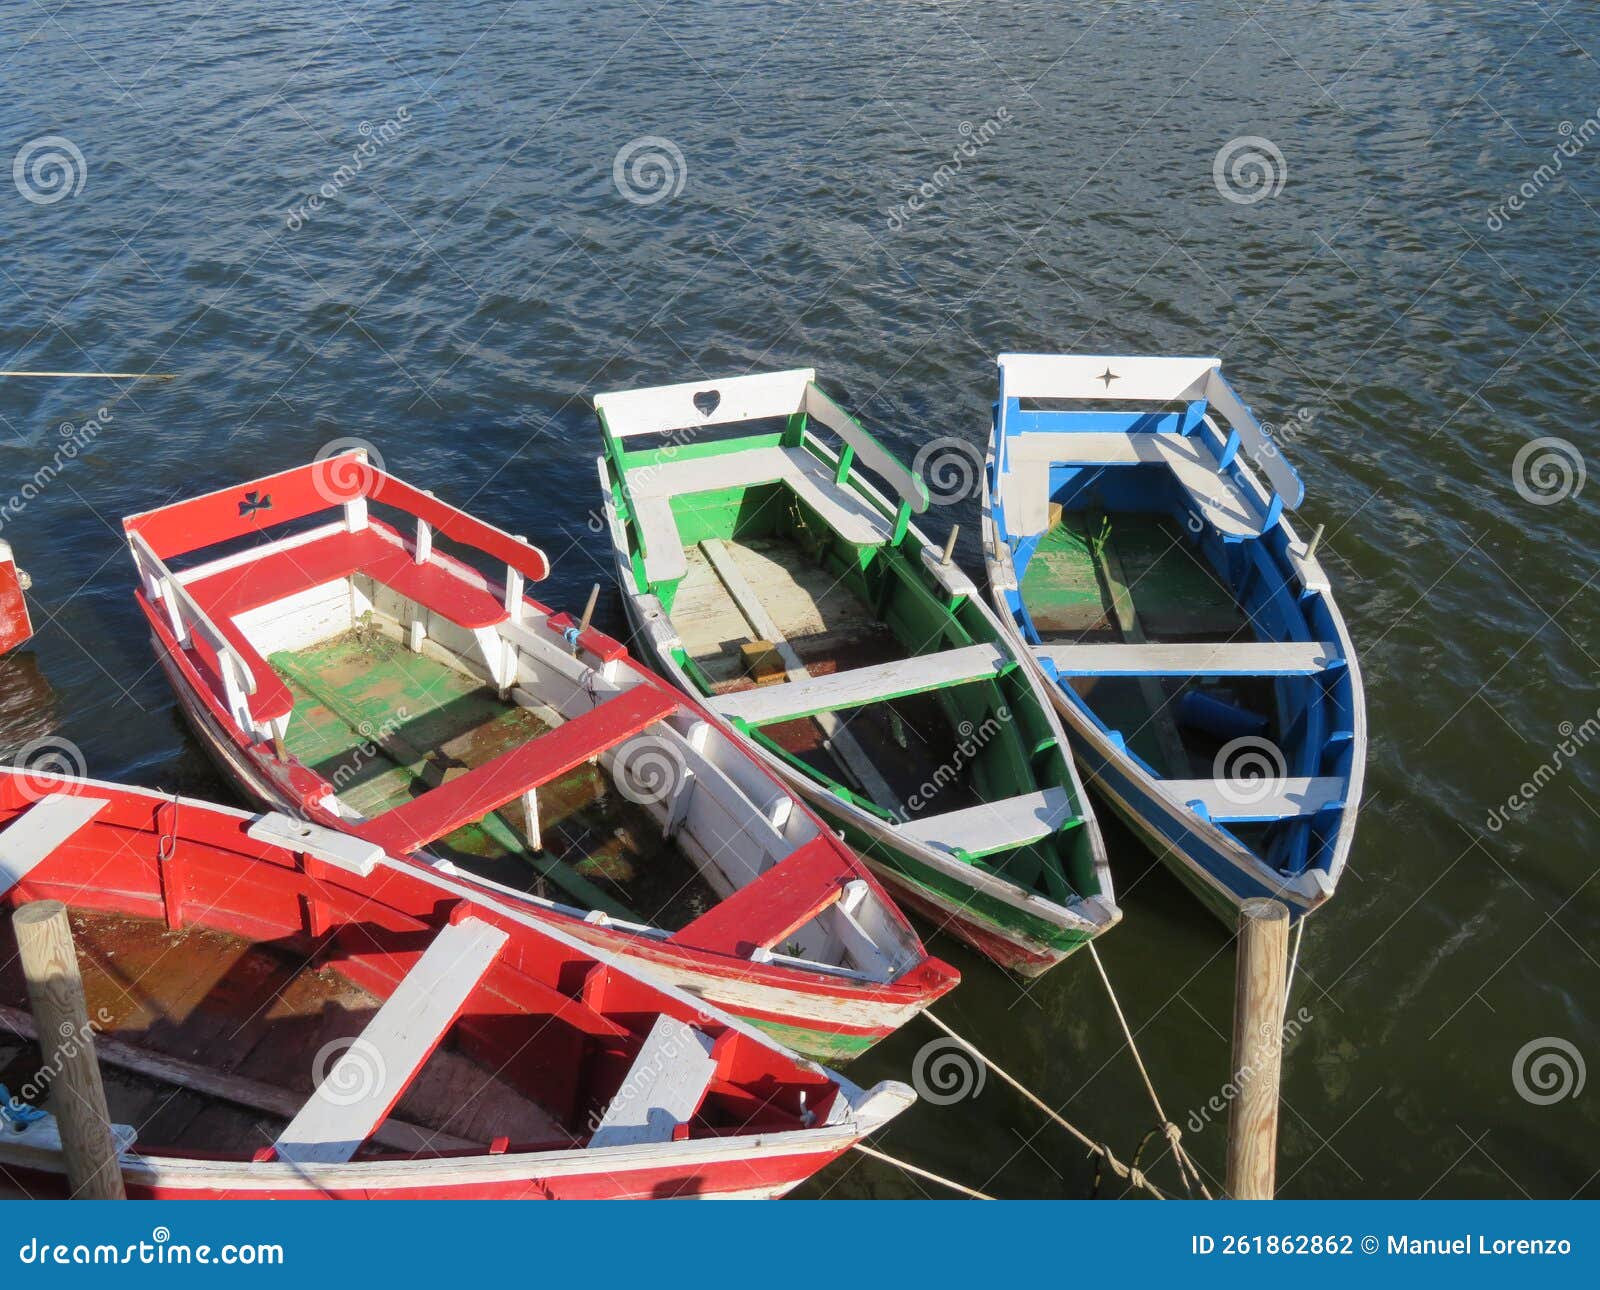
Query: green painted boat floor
<point x="391" y="700"/>
<point x="1176" y="597"/>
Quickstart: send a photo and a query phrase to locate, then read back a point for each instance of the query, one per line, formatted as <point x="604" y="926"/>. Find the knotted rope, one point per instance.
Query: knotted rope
<point x="1188" y="1171"/>
<point x="1130" y="1174"/>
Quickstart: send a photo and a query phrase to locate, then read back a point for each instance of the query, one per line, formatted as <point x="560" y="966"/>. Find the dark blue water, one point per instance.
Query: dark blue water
<point x="471" y="273"/>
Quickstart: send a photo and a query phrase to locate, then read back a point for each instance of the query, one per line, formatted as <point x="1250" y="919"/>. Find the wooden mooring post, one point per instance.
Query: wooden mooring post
<point x="1257" y="1049"/>
<point x="61" y="1016"/>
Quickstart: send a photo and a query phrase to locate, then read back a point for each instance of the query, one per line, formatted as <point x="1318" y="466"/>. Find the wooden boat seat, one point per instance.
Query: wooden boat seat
<point x="33" y="836"/>
<point x="761" y="913"/>
<point x="375" y="551"/>
<point x="849" y="689"/>
<point x="1225" y="803"/>
<point x="662" y="1089"/>
<point x="1239" y="658"/>
<point x="505" y="778"/>
<point x="1029" y="456"/>
<point x="992" y="827"/>
<point x="380" y="1065"/>
<point x="652" y="487"/>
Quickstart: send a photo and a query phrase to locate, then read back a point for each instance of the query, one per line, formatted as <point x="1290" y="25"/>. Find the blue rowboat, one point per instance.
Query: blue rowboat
<point x="1138" y="545"/>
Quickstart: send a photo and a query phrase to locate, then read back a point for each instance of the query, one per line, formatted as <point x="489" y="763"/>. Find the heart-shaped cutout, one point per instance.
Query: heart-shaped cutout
<point x="707" y="401"/>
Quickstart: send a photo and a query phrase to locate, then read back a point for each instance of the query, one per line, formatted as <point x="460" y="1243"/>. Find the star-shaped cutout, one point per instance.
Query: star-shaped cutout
<point x="1108" y="376"/>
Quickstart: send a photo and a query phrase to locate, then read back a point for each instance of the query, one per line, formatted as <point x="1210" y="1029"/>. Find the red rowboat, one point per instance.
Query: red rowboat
<point x="15" y="625"/>
<point x="282" y="1011"/>
<point x="370" y="682"/>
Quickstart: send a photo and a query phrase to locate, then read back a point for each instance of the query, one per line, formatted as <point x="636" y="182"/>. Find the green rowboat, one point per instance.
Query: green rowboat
<point x="767" y="574"/>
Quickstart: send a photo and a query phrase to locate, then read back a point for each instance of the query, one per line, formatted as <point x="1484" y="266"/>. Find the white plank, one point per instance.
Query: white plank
<point x="1241" y="658"/>
<point x="1027" y="500"/>
<point x="30" y="838"/>
<point x="994" y="826"/>
<point x="663" y="1088"/>
<point x="1137" y="378"/>
<point x="1237" y="803"/>
<point x="341" y="850"/>
<point x="859" y="685"/>
<point x="869" y="452"/>
<point x="843" y="744"/>
<point x="1081" y="376"/>
<point x="370" y="1077"/>
<point x="659" y="408"/>
<point x="663" y="547"/>
<point x="841" y="509"/>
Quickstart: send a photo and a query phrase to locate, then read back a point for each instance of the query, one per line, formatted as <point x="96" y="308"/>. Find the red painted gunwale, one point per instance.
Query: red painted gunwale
<point x="802" y="1002"/>
<point x="373" y="930"/>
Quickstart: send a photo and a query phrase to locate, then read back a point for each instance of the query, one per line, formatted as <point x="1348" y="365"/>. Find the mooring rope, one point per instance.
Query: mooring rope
<point x="1294" y="962"/>
<point x="1136" y="1177"/>
<point x="922" y="1173"/>
<point x="1174" y="1135"/>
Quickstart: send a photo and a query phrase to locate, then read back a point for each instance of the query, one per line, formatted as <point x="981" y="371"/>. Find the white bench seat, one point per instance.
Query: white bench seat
<point x="994" y="826"/>
<point x="664" y="560"/>
<point x="401" y="1036"/>
<point x="1227" y="802"/>
<point x="30" y="839"/>
<point x="652" y="487"/>
<point x="662" y="1089"/>
<point x="860" y="685"/>
<point x="1240" y="658"/>
<point x="1029" y="456"/>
